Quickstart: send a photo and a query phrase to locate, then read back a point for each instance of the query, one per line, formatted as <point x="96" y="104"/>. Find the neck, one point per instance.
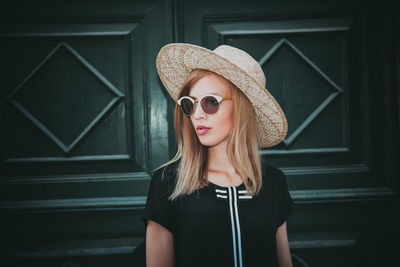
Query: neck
<point x="218" y="158"/>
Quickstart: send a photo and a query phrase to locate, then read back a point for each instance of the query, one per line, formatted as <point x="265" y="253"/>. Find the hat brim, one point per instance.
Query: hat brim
<point x="175" y="62"/>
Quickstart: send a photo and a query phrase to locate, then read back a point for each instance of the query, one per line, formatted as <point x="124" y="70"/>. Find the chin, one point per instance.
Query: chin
<point x="210" y="143"/>
<point x="207" y="144"/>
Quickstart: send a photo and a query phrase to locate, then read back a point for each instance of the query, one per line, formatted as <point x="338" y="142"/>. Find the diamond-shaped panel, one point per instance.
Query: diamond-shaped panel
<point x="65" y="97"/>
<point x="306" y="89"/>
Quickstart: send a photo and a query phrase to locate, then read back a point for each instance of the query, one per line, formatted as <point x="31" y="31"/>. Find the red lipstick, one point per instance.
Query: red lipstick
<point x="201" y="129"/>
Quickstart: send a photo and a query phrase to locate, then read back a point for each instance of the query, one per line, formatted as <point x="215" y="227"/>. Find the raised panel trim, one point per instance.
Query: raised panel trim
<point x="333" y="243"/>
<point x="105" y="177"/>
<point x="72" y="29"/>
<point x="66" y="159"/>
<point x="342" y="195"/>
<point x="74" y="205"/>
<point x="110" y="246"/>
<point x="337" y="90"/>
<point x="139" y="202"/>
<point x="216" y="31"/>
<point x="107" y="109"/>
<point x="77" y="28"/>
<point x="328" y="150"/>
<point x="227" y="27"/>
<point x="77" y="247"/>
<point x="351" y="168"/>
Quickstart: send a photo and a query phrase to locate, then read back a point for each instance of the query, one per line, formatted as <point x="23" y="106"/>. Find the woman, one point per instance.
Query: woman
<point x="214" y="203"/>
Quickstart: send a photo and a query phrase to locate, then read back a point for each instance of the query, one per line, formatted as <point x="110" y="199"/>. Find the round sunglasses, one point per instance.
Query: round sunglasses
<point x="209" y="103"/>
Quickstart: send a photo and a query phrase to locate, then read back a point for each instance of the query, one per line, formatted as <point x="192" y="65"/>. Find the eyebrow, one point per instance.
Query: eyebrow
<point x="212" y="93"/>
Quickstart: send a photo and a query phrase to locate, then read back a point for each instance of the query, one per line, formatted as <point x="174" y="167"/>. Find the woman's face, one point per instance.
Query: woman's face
<point x="219" y="123"/>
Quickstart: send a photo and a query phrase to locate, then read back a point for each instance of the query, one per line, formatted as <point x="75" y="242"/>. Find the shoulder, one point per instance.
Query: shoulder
<point x="273" y="178"/>
<point x="165" y="176"/>
<point x="270" y="170"/>
<point x="167" y="171"/>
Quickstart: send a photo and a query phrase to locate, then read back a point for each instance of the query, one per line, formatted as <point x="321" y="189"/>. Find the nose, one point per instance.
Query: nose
<point x="198" y="112"/>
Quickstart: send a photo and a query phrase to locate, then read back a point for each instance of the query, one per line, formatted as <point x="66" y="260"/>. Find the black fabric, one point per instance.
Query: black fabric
<point x="138" y="256"/>
<point x="201" y="223"/>
<point x="158" y="207"/>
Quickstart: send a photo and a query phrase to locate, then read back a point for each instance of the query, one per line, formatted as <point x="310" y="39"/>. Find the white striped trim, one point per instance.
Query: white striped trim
<point x="220" y="191"/>
<point x="239" y="235"/>
<point x="245" y="197"/>
<point x="242" y="191"/>
<point x="233" y="228"/>
<point x="222" y="196"/>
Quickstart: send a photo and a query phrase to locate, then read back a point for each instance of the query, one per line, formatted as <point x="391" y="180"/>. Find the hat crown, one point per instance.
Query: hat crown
<point x="243" y="60"/>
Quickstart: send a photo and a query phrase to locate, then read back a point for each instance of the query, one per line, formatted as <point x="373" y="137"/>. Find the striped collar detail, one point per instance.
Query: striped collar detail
<point x="235" y="223"/>
<point x="241" y="194"/>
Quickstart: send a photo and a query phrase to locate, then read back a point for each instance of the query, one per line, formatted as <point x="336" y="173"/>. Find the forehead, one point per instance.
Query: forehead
<point x="210" y="84"/>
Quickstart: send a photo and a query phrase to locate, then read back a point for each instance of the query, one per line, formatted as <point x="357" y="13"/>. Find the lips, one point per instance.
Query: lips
<point x="201" y="129"/>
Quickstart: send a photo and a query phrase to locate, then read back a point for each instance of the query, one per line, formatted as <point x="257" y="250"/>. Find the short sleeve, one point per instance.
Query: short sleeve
<point x="158" y="207"/>
<point x="285" y="201"/>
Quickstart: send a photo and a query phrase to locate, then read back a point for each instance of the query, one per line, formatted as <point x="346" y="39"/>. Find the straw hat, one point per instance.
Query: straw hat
<point x="175" y="61"/>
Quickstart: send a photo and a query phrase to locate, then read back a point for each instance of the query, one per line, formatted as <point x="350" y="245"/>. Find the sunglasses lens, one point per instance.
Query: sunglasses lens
<point x="187" y="106"/>
<point x="209" y="104"/>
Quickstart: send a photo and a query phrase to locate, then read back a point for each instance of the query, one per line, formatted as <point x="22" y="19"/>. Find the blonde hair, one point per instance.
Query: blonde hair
<point x="242" y="145"/>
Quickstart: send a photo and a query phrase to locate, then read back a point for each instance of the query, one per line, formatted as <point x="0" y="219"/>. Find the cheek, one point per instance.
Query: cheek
<point x="192" y="120"/>
<point x="226" y="119"/>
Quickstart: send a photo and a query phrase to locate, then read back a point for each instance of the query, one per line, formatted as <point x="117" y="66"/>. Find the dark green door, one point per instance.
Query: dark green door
<point x="85" y="120"/>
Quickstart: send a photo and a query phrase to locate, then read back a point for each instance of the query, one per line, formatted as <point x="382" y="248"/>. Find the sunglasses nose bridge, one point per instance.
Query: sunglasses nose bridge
<point x="198" y="112"/>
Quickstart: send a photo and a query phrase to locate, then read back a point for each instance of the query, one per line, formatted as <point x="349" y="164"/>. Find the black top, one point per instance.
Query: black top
<point x="221" y="226"/>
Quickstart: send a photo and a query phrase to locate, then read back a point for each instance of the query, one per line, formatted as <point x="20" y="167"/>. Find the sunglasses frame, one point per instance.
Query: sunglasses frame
<point x="197" y="101"/>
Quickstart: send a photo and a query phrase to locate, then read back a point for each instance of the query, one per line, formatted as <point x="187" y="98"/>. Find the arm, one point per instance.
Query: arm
<point x="159" y="246"/>
<point x="282" y="246"/>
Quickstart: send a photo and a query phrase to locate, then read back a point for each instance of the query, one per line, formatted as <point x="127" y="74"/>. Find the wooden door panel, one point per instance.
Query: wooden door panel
<point x="74" y="96"/>
<point x="317" y="58"/>
<point x="83" y="125"/>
